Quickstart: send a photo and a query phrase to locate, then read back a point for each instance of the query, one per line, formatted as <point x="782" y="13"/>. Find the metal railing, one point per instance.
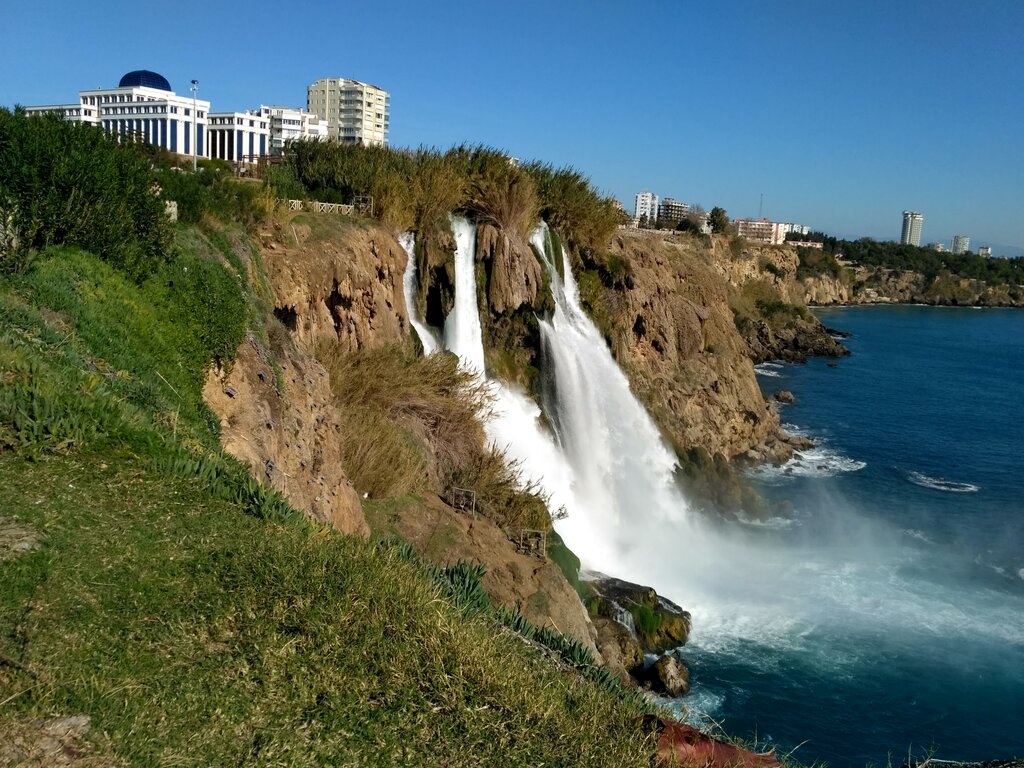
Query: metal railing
<point x="315" y="206"/>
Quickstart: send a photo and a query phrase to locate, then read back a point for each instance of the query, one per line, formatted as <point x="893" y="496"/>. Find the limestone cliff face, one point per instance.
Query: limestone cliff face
<point x="291" y="439"/>
<point x="514" y="276"/>
<point x="337" y="282"/>
<point x="677" y="340"/>
<point x="860" y="284"/>
<point x="331" y="282"/>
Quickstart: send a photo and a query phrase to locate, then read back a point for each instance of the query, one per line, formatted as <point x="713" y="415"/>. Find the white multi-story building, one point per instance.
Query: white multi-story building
<point x="763" y="230"/>
<point x="646" y="205"/>
<point x="356" y="113"/>
<point x="143" y="105"/>
<point x="913" y="221"/>
<point x="239" y="137"/>
<point x="961" y="243"/>
<point x="291" y="124"/>
<point x="985" y="251"/>
<point x="672" y="210"/>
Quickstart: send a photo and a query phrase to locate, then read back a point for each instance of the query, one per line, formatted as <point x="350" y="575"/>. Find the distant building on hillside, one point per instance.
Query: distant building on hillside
<point x="291" y="124"/>
<point x="985" y="251"/>
<point x="762" y="230"/>
<point x="912" y="223"/>
<point x="143" y="105"/>
<point x="672" y="210"/>
<point x="940" y="247"/>
<point x="239" y="137"/>
<point x="961" y="243"/>
<point x="356" y="113"/>
<point x="646" y="205"/>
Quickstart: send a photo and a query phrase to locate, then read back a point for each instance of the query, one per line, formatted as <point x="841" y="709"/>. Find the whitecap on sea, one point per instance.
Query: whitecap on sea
<point x="768" y="369"/>
<point x="940" y="483"/>
<point x="818" y="461"/>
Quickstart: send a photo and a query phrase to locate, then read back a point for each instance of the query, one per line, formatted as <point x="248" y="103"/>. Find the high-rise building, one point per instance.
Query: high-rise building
<point x="985" y="251"/>
<point x="646" y="205"/>
<point x="961" y="243"/>
<point x="672" y="210"/>
<point x="356" y="113"/>
<point x="912" y="223"/>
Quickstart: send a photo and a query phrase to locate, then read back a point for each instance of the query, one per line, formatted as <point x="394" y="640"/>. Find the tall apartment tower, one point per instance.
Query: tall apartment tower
<point x="961" y="243"/>
<point x="912" y="222"/>
<point x="646" y="205"/>
<point x="356" y="113"/>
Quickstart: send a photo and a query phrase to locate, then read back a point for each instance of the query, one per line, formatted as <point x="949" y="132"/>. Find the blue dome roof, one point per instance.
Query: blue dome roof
<point x="146" y="79"/>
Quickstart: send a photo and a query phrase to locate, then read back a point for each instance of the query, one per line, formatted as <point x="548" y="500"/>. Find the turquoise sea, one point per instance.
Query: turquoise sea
<point x="898" y="629"/>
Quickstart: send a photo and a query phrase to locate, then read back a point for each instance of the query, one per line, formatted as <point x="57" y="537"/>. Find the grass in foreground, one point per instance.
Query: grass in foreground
<point x="193" y="634"/>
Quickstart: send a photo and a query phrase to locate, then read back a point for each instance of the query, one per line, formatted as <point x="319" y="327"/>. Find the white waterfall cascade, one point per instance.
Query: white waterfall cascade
<point x="622" y="468"/>
<point x="427" y="337"/>
<point x="513" y="423"/>
<point x="462" y="326"/>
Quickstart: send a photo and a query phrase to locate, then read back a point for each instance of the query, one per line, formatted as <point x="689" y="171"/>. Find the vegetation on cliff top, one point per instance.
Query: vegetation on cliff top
<point x="418" y="189"/>
<point x="184" y="607"/>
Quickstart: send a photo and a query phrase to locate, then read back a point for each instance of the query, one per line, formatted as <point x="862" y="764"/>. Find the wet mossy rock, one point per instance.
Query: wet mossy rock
<point x="659" y="624"/>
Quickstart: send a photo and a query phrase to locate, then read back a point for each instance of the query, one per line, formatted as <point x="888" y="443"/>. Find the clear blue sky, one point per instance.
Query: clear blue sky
<point x="842" y="114"/>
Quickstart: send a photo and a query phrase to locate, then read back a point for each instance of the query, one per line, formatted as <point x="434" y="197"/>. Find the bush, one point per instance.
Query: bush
<point x="67" y="183"/>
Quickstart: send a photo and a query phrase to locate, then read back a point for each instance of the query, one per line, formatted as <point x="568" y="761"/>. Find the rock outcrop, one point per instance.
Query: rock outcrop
<point x="633" y="622"/>
<point x="512" y="578"/>
<point x="676" y="338"/>
<point x="514" y="275"/>
<point x="336" y="281"/>
<point x="290" y="438"/>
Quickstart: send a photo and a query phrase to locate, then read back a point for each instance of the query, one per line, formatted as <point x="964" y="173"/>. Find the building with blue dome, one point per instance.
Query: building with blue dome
<point x="143" y="104"/>
<point x="145" y="79"/>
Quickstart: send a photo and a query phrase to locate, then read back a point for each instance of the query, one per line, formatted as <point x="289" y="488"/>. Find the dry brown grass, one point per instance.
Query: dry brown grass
<point x="413" y="425"/>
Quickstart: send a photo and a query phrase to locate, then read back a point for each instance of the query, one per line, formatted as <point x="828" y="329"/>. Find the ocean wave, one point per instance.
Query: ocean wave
<point x="916" y="534"/>
<point x="768" y="369"/>
<point x="818" y="461"/>
<point x="771" y="523"/>
<point x="940" y="483"/>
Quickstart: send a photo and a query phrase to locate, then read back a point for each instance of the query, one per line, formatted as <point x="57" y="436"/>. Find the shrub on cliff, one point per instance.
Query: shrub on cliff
<point x="65" y="183"/>
<point x="412" y="425"/>
<point x="570" y="204"/>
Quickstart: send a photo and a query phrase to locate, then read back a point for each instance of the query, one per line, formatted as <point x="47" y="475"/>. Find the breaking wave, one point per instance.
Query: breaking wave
<point x="940" y="483"/>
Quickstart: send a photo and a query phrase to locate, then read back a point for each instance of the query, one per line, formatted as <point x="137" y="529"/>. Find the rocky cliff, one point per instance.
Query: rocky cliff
<point x="336" y="283"/>
<point x="858" y="284"/>
<point x="673" y="332"/>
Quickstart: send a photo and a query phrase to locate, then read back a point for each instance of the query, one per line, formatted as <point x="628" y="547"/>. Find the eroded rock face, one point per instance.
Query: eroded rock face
<point x="290" y="439"/>
<point x="514" y="275"/>
<point x="344" y="289"/>
<point x="16" y="539"/>
<point x="678" y="344"/>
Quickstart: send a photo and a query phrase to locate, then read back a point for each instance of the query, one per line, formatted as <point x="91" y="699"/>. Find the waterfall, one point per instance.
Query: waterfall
<point x="513" y="421"/>
<point x="462" y="326"/>
<point x="606" y="465"/>
<point x="427" y="337"/>
<point x="622" y="467"/>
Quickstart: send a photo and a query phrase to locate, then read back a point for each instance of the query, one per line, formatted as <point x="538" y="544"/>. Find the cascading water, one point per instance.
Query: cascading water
<point x="513" y="423"/>
<point x="462" y="326"/>
<point x="426" y="335"/>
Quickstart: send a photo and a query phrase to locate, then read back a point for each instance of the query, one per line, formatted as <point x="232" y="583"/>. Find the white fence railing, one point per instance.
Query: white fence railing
<point x="315" y="206"/>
